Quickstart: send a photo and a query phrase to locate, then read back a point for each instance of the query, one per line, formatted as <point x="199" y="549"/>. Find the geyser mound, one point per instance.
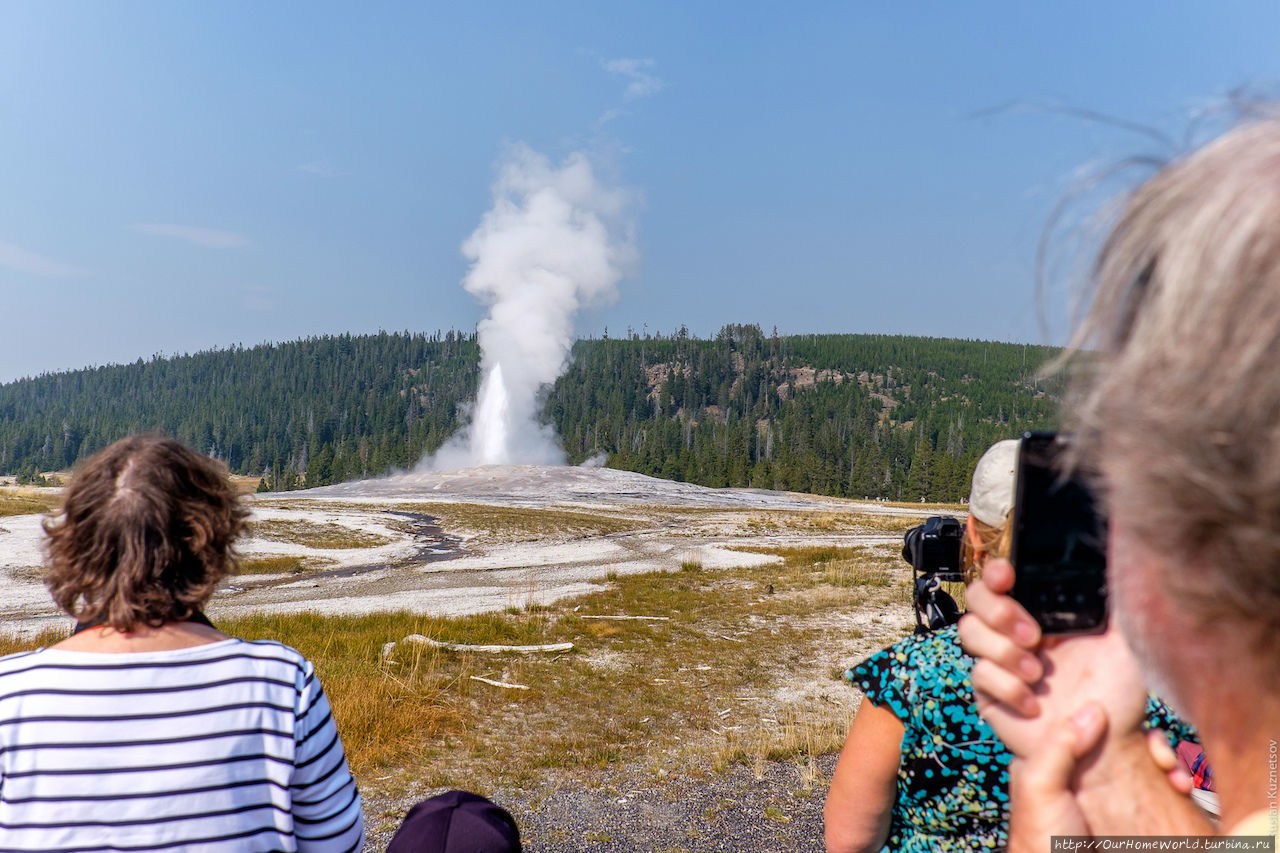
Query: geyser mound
<point x="556" y="485"/>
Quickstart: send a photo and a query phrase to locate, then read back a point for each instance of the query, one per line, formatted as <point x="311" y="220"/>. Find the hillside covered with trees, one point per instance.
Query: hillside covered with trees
<point x="855" y="415"/>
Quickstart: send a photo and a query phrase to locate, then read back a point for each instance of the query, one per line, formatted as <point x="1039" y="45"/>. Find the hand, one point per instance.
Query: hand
<point x="1081" y="780"/>
<point x="1166" y="759"/>
<point x="1097" y="669"/>
<point x="1026" y="684"/>
<point x="1001" y="634"/>
<point x="1042" y="803"/>
<point x="1070" y="709"/>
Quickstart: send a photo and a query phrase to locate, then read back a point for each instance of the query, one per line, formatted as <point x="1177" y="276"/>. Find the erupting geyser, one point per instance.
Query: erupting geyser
<point x="555" y="239"/>
<point x="491" y="419"/>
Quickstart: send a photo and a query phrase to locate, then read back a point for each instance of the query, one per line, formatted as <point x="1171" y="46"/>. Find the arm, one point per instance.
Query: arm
<point x="864" y="787"/>
<point x="1079" y="781"/>
<point x="326" y="804"/>
<point x="1026" y="684"/>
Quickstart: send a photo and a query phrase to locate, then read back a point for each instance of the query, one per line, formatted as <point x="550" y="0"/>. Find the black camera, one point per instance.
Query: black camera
<point x="933" y="550"/>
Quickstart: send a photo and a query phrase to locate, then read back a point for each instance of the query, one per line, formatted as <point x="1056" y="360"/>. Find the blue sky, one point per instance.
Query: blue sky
<point x="181" y="176"/>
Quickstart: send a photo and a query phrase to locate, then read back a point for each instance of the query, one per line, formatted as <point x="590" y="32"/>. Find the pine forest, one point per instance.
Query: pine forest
<point x="880" y="416"/>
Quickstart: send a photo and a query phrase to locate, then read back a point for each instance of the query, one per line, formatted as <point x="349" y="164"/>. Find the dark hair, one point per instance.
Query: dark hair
<point x="144" y="535"/>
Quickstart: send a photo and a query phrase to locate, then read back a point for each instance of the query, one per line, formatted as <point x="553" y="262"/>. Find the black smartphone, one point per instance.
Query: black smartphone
<point x="1059" y="549"/>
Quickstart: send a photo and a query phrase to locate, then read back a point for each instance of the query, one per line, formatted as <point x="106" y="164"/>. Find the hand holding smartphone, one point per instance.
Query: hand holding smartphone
<point x="1059" y="542"/>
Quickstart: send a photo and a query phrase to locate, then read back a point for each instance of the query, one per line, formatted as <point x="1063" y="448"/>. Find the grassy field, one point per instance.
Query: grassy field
<point x="312" y="535"/>
<point x="700" y="676"/>
<point x="508" y="524"/>
<point x="807" y="521"/>
<point x="697" y="679"/>
<point x="273" y="565"/>
<point x="697" y="685"/>
<point x="24" y="501"/>
<point x="738" y="665"/>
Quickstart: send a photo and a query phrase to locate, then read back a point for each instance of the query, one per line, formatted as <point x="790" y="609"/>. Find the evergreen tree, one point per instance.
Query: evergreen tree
<point x="853" y="415"/>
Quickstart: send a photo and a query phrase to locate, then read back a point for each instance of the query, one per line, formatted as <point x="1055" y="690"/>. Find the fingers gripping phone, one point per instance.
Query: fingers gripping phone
<point x="1059" y="542"/>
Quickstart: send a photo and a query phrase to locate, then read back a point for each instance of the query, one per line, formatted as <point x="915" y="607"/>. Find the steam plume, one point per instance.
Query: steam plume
<point x="556" y="239"/>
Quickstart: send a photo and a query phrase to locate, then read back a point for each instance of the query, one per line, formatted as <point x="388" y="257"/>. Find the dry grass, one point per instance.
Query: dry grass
<point x="797" y="732"/>
<point x="807" y="521"/>
<point x="841" y="567"/>
<point x="23" y="501"/>
<point x="244" y="485"/>
<point x="884" y="523"/>
<point x="271" y="565"/>
<point x="10" y="645"/>
<point x="691" y="511"/>
<point x="513" y="524"/>
<point x="312" y="535"/>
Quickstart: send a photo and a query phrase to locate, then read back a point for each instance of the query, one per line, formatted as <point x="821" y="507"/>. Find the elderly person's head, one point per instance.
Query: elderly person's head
<point x="144" y="535"/>
<point x="1182" y="415"/>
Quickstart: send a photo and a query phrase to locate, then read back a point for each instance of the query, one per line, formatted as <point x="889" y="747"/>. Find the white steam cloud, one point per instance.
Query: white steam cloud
<point x="555" y="240"/>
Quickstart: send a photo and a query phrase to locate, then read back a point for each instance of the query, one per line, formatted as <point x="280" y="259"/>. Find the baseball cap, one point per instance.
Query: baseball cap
<point x="994" y="480"/>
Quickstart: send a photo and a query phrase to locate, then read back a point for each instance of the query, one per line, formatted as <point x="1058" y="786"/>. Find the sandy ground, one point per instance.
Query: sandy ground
<point x="455" y="570"/>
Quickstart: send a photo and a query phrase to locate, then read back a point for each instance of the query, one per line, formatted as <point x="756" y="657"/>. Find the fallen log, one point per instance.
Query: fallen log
<point x="418" y="639"/>
<point x="644" y="618"/>
<point x="505" y="684"/>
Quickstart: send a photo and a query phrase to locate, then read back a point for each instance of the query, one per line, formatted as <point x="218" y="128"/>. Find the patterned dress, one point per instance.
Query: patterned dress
<point x="953" y="780"/>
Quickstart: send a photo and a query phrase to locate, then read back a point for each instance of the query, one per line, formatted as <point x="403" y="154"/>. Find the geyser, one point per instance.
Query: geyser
<point x="491" y="419"/>
<point x="556" y="239"/>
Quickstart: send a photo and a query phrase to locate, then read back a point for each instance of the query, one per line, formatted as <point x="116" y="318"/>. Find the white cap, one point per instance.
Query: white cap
<point x="994" y="481"/>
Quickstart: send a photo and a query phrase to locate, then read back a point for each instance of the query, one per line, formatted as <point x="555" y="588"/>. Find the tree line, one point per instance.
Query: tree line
<point x="884" y="416"/>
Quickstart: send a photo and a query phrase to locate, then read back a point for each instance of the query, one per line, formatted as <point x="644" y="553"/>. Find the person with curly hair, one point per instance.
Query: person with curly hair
<point x="148" y="728"/>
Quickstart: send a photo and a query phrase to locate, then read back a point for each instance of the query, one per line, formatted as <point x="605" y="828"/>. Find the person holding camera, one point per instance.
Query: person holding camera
<point x="920" y="769"/>
<point x="1177" y="423"/>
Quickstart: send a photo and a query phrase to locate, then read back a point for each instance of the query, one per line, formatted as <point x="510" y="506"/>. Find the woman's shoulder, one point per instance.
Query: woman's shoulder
<point x="941" y="647"/>
<point x="19" y="661"/>
<point x="270" y="648"/>
<point x="919" y="663"/>
<point x="273" y="650"/>
<point x="222" y="652"/>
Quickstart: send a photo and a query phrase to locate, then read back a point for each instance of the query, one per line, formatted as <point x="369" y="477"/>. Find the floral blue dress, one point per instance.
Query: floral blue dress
<point x="953" y="780"/>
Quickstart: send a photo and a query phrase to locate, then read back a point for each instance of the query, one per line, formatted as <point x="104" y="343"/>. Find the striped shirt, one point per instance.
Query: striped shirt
<point x="220" y="747"/>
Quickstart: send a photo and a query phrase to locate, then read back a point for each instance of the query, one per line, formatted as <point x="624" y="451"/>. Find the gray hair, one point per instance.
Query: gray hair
<point x="1181" y="402"/>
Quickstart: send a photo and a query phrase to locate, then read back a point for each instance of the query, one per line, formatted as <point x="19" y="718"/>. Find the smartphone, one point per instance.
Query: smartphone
<point x="1059" y="549"/>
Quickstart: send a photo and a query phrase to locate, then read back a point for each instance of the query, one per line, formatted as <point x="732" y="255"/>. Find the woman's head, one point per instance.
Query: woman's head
<point x="990" y="502"/>
<point x="144" y="536"/>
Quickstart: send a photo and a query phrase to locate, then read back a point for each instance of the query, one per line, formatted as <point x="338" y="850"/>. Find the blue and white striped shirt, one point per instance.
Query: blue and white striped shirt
<point x="220" y="747"/>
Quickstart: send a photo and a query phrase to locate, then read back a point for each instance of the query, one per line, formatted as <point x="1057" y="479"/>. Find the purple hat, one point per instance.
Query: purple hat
<point x="456" y="822"/>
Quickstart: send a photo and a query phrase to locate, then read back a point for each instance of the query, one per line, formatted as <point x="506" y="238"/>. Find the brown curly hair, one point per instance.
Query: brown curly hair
<point x="144" y="536"/>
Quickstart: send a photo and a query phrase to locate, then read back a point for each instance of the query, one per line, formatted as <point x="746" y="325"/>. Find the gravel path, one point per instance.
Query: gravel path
<point x="628" y="811"/>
